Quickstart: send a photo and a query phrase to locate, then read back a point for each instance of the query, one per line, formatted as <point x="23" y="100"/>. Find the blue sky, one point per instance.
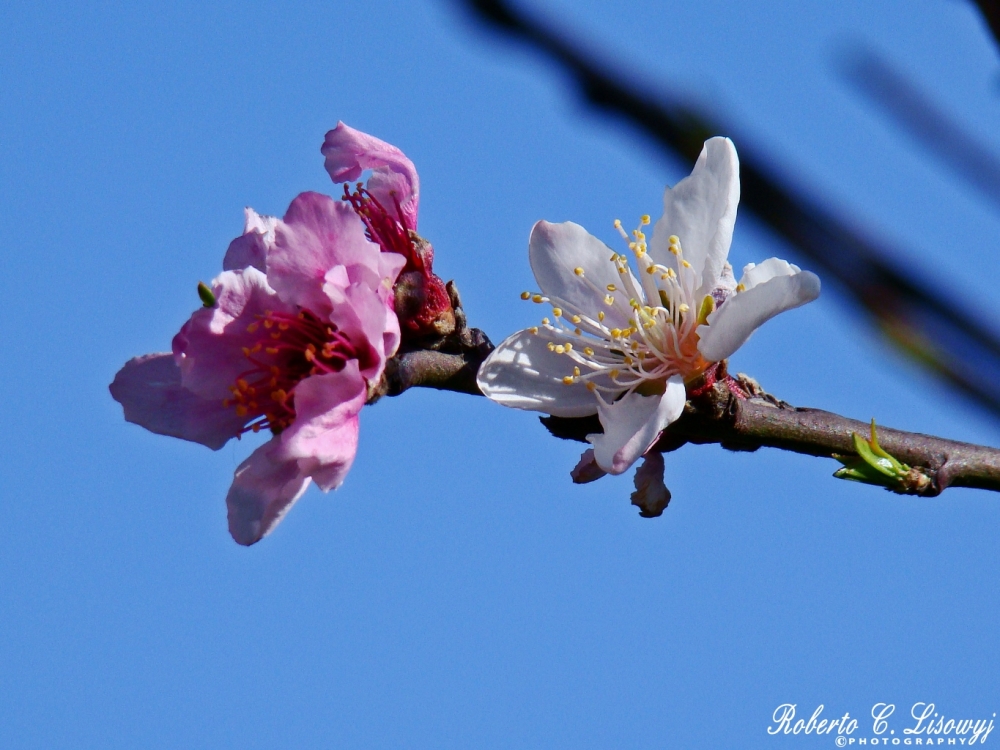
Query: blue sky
<point x="458" y="590"/>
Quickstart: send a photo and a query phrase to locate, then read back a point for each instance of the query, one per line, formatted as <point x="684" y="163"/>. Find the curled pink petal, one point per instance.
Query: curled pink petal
<point x="264" y="488"/>
<point x="394" y="181"/>
<point x="150" y="392"/>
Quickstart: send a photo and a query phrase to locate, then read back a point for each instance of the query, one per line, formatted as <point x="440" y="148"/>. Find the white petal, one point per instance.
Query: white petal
<point x="524" y="374"/>
<point x="651" y="494"/>
<point x="557" y="250"/>
<point x="633" y="423"/>
<point x="731" y="325"/>
<point x="701" y="211"/>
<point x="758" y="273"/>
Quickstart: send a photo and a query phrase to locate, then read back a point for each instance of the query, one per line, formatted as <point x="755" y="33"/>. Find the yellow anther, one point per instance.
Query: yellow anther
<point x="568" y="380"/>
<point x="576" y="371"/>
<point x="588" y="351"/>
<point x="618" y="223"/>
<point x="682" y="307"/>
<point x="600" y="315"/>
<point x="685" y="264"/>
<point x="674" y="239"/>
<point x="612" y="288"/>
<point x="614" y="374"/>
<point x="664" y="277"/>
<point x="525" y="295"/>
<point x="740" y="288"/>
<point x="591" y="387"/>
<point x="578" y="271"/>
<point x="533" y="329"/>
<point x="614" y="257"/>
<point x="569" y="346"/>
<point x="675" y="250"/>
<point x="628" y="360"/>
<point x="559" y="349"/>
<point x="252" y="328"/>
<point x="537" y="298"/>
<point x="273" y="350"/>
<point x="577" y="331"/>
<point x="641" y="355"/>
<point x="576" y="319"/>
<point x="551" y="346"/>
<point x="545" y="321"/>
<point x="557" y="311"/>
<point x="644" y="219"/>
<point x="616" y="332"/>
<point x="608" y="299"/>
<point x="241" y="410"/>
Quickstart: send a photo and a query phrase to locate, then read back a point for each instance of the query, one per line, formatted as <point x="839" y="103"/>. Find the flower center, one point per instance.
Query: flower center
<point x="291" y="347"/>
<point x="642" y="330"/>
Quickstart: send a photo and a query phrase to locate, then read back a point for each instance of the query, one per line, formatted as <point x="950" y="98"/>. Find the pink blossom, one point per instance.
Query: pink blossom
<point x="302" y="322"/>
<point x="388" y="205"/>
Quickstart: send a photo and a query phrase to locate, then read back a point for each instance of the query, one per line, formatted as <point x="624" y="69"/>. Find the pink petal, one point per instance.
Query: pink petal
<point x="150" y="391"/>
<point x="209" y="347"/>
<point x="651" y="494"/>
<point x="350" y="152"/>
<point x="264" y="488"/>
<point x="250" y="248"/>
<point x="324" y="436"/>
<point x="316" y="235"/>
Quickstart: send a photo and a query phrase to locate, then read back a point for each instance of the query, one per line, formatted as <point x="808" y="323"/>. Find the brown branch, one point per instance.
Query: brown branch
<point x="739" y="418"/>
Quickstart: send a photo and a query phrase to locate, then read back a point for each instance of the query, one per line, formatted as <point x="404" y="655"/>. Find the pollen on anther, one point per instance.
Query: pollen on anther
<point x="576" y="319"/>
<point x="559" y="349"/>
<point x="533" y="329"/>
<point x="569" y="346"/>
<point x="644" y="219"/>
<point x="683" y="307"/>
<point x="525" y="295"/>
<point x="591" y="387"/>
<point x="674" y="239"/>
<point x="578" y="271"/>
<point x="685" y="264"/>
<point x="600" y="315"/>
<point x="545" y="321"/>
<point x="609" y="300"/>
<point x="568" y="380"/>
<point x="588" y="351"/>
<point x="612" y="288"/>
<point x="576" y="371"/>
<point x="557" y="311"/>
<point x="536" y="298"/>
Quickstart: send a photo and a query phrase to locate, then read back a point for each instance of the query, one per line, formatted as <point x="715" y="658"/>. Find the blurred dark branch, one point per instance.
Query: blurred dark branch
<point x="938" y="332"/>
<point x="889" y="90"/>
<point x="991" y="12"/>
